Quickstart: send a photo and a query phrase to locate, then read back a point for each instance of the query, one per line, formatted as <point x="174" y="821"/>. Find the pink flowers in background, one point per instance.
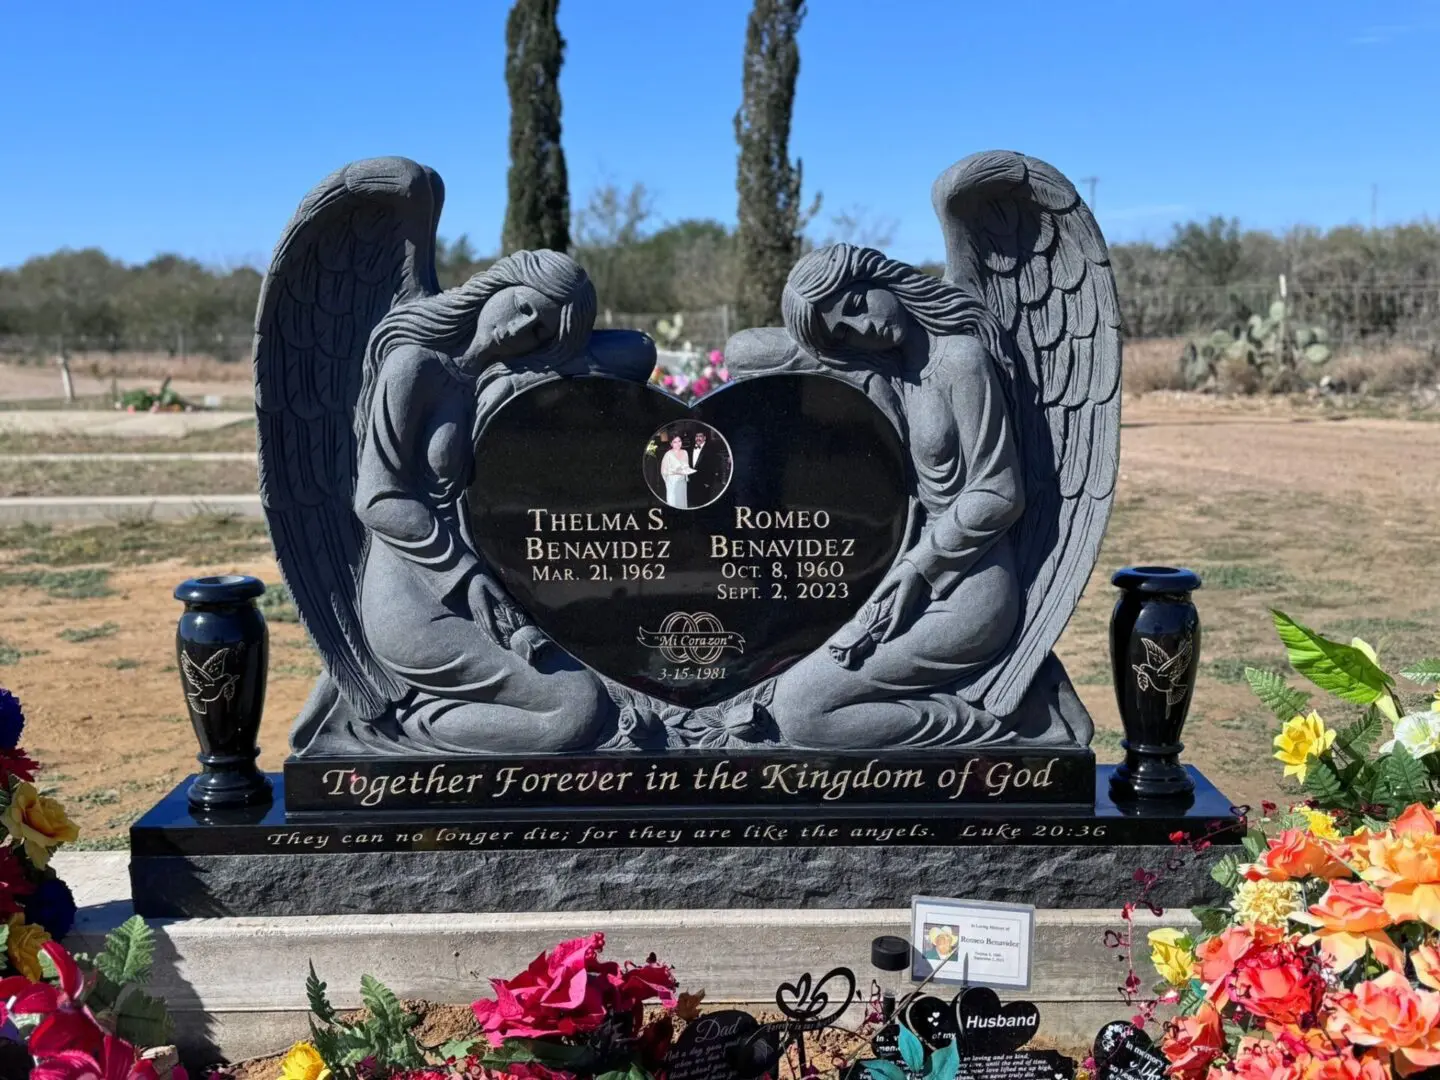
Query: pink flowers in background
<point x="691" y="379"/>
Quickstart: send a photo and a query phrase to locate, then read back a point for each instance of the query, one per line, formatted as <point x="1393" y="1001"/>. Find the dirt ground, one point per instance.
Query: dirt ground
<point x="92" y="373"/>
<point x="1331" y="520"/>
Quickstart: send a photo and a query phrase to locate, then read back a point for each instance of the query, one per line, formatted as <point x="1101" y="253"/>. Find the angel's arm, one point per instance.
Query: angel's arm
<point x="993" y="496"/>
<point x="388" y="498"/>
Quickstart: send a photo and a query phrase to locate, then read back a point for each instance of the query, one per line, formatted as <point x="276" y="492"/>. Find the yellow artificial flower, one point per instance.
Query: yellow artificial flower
<point x="37" y="821"/>
<point x="1302" y="738"/>
<point x="23" y="947"/>
<point x="1266" y="903"/>
<point x="1173" y="955"/>
<point x="303" y="1062"/>
<point x="1320" y="824"/>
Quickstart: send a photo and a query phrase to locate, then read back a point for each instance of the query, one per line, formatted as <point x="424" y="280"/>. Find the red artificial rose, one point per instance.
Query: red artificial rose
<point x="14" y="882"/>
<point x="653" y="1046"/>
<point x="19" y="764"/>
<point x="1279" y="983"/>
<point x="1193" y="1042"/>
<point x="644" y="982"/>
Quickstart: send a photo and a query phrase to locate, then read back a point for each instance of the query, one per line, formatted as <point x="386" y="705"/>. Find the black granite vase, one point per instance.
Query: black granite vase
<point x="223" y="651"/>
<point x="1154" y="654"/>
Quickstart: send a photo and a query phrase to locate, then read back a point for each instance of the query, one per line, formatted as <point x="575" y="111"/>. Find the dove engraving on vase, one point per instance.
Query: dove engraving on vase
<point x="211" y="680"/>
<point x="222" y="650"/>
<point x="1154" y="646"/>
<point x="1165" y="674"/>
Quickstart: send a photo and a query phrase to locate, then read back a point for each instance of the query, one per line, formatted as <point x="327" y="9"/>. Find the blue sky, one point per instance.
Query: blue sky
<point x="196" y="126"/>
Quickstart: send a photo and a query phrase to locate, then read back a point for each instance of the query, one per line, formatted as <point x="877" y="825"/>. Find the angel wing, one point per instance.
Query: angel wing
<point x="1018" y="235"/>
<point x="361" y="242"/>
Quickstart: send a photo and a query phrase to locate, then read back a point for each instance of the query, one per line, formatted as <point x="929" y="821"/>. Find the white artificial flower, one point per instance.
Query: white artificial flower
<point x="1418" y="732"/>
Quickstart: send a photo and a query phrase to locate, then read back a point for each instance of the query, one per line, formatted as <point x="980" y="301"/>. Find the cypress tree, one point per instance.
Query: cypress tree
<point x="768" y="238"/>
<point x="537" y="214"/>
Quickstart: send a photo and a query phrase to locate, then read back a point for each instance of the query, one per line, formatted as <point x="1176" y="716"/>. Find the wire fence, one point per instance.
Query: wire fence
<point x="1355" y="316"/>
<point x="1380" y="315"/>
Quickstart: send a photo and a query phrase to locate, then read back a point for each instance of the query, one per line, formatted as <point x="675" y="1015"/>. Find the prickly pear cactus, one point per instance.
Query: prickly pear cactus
<point x="1267" y="351"/>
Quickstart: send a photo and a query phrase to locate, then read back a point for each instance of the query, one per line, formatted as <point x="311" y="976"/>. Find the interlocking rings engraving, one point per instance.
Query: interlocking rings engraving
<point x="684" y="638"/>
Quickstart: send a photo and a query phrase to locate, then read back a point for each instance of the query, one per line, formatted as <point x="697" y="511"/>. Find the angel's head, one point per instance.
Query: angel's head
<point x="849" y="305"/>
<point x="533" y="305"/>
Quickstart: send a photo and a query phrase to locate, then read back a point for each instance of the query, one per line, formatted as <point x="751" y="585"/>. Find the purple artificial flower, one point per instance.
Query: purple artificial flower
<point x="52" y="906"/>
<point x="12" y="720"/>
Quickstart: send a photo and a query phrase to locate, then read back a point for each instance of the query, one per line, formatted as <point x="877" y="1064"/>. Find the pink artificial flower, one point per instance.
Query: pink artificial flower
<point x="68" y="1026"/>
<point x="700" y="386"/>
<point x="716" y="358"/>
<point x="571" y="991"/>
<point x="117" y="1060"/>
<point x="555" y="995"/>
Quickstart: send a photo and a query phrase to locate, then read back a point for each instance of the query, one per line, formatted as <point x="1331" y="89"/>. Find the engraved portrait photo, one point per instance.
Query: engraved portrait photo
<point x="688" y="464"/>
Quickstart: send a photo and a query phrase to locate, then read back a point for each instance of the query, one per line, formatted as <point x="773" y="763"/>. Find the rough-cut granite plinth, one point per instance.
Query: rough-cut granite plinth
<point x="437" y="882"/>
<point x="264" y="862"/>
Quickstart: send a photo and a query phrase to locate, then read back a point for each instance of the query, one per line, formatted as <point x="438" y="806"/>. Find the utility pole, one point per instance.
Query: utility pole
<point x="1374" y="205"/>
<point x="1090" y="182"/>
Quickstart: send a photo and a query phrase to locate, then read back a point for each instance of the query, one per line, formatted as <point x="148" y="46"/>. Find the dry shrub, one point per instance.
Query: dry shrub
<point x="1391" y="369"/>
<point x="1153" y="364"/>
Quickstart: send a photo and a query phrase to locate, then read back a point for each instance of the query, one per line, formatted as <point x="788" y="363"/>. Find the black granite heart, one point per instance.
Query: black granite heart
<point x="1123" y="1052"/>
<point x="690" y="552"/>
<point x="988" y="1027"/>
<point x="932" y="1019"/>
<point x="716" y="1046"/>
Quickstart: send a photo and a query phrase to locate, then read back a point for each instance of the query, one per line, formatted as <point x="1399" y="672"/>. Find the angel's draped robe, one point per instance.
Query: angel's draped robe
<point x="969" y="484"/>
<point x="413" y="469"/>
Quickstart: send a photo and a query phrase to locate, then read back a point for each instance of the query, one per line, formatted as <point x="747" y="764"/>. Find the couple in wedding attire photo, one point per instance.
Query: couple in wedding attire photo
<point x="696" y="475"/>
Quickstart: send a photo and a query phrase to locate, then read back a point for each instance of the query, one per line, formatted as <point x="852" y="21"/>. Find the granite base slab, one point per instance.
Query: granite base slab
<point x="268" y="860"/>
<point x="438" y="882"/>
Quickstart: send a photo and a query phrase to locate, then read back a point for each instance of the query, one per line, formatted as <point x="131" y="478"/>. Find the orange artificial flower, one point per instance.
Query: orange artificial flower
<point x="1193" y="1042"/>
<point x="1372" y="1065"/>
<point x="1262" y="1059"/>
<point x="1296" y="854"/>
<point x="1217" y="956"/>
<point x="1407" y="867"/>
<point x="1417" y="820"/>
<point x="1350" y="918"/>
<point x="1388" y="1013"/>
<point x="1426" y="959"/>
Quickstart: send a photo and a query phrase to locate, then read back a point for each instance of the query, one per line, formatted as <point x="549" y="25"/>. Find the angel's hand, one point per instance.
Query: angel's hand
<point x="898" y="597"/>
<point x="529" y="642"/>
<point x="485" y="598"/>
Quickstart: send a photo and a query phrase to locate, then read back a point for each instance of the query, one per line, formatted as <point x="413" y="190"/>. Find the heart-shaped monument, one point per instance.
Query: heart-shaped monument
<point x="690" y="552"/>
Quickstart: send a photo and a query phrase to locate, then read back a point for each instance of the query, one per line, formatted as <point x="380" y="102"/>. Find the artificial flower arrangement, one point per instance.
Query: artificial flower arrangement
<point x="84" y="1019"/>
<point x="1324" y="964"/>
<point x="569" y="1014"/>
<point x="693" y="378"/>
<point x="35" y="905"/>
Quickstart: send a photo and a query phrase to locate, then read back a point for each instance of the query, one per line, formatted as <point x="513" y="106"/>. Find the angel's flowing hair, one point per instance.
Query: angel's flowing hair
<point x="938" y="306"/>
<point x="446" y="322"/>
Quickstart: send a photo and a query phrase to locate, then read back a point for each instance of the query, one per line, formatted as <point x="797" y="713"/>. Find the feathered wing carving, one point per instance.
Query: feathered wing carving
<point x="361" y="242"/>
<point x="1018" y="235"/>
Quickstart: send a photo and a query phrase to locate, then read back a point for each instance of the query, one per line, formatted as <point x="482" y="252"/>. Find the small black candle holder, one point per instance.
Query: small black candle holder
<point x="223" y="651"/>
<point x="1154" y="655"/>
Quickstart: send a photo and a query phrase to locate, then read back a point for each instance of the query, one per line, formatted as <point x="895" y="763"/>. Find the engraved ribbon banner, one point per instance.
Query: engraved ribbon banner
<point x="691" y="639"/>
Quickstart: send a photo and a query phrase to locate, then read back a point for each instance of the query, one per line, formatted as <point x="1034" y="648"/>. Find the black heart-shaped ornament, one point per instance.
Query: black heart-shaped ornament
<point x="1124" y="1052"/>
<point x="989" y="1027"/>
<point x="690" y="552"/>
